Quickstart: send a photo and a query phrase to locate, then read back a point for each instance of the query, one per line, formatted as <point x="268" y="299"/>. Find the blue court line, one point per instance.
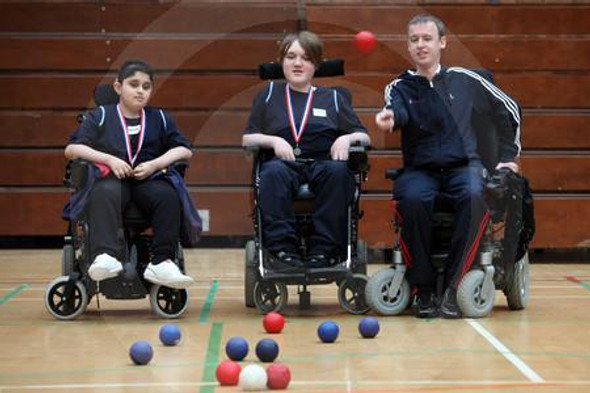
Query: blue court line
<point x="13" y="293"/>
<point x="208" y="302"/>
<point x="211" y="359"/>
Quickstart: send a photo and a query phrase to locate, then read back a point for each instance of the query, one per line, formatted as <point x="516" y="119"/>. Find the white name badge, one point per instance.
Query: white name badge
<point x="134" y="130"/>
<point x="318" y="112"/>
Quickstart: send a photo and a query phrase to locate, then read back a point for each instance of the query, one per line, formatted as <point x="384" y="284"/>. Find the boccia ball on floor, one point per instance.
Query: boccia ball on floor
<point x="170" y="334"/>
<point x="369" y="327"/>
<point x="141" y="352"/>
<point x="278" y="376"/>
<point x="228" y="373"/>
<point x="236" y="348"/>
<point x="267" y="350"/>
<point x="328" y="331"/>
<point x="253" y="377"/>
<point x="273" y="322"/>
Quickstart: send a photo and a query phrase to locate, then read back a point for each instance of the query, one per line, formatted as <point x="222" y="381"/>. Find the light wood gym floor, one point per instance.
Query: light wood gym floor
<point x="545" y="348"/>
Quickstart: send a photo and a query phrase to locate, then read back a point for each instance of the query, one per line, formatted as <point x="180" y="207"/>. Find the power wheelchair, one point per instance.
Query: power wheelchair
<point x="267" y="290"/>
<point x="503" y="251"/>
<point x="68" y="295"/>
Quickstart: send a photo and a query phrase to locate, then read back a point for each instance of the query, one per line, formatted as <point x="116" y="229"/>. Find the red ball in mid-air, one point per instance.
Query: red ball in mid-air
<point x="273" y="322"/>
<point x="365" y="42"/>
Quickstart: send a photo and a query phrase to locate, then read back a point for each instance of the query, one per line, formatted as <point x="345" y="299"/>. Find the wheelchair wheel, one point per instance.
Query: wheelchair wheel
<point x="378" y="297"/>
<point x="168" y="302"/>
<point x="270" y="296"/>
<point x="64" y="305"/>
<point x="67" y="260"/>
<point x="517" y="290"/>
<point x="351" y="294"/>
<point x="250" y="274"/>
<point x="362" y="257"/>
<point x="472" y="300"/>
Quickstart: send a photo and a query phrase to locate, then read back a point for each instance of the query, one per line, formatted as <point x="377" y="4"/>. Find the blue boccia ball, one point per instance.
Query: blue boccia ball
<point x="236" y="348"/>
<point x="170" y="334"/>
<point x="267" y="350"/>
<point x="141" y="352"/>
<point x="328" y="331"/>
<point x="369" y="327"/>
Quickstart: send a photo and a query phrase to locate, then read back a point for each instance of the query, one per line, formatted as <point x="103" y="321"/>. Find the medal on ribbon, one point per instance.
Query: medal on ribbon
<point x="298" y="133"/>
<point x="132" y="157"/>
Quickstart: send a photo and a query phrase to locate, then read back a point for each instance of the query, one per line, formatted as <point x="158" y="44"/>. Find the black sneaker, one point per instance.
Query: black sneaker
<point x="287" y="262"/>
<point x="425" y="305"/>
<point x="449" y="308"/>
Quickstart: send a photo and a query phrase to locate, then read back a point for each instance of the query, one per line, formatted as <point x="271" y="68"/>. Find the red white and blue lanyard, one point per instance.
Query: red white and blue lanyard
<point x="132" y="157"/>
<point x="298" y="133"/>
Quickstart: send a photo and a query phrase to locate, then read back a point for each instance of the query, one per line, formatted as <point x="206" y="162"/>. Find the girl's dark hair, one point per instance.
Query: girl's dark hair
<point x="130" y="67"/>
<point x="310" y="42"/>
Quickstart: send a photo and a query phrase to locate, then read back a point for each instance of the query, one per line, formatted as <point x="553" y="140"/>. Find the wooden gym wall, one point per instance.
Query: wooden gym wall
<point x="52" y="54"/>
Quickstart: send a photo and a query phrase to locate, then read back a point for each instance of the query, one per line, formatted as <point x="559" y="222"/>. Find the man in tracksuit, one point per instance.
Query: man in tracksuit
<point x="435" y="106"/>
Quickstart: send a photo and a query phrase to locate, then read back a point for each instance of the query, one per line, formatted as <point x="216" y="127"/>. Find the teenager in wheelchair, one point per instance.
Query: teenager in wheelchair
<point x="307" y="173"/>
<point x="126" y="168"/>
<point x="458" y="199"/>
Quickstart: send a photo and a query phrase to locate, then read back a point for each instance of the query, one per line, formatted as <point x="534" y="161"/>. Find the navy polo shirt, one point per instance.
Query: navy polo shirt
<point x="330" y="116"/>
<point x="102" y="131"/>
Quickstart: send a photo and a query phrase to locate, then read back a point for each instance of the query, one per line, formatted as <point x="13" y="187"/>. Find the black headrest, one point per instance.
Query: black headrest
<point x="331" y="67"/>
<point x="105" y="95"/>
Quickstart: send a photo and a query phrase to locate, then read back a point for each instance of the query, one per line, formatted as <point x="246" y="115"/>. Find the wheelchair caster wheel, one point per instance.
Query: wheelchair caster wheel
<point x="473" y="300"/>
<point x="250" y="274"/>
<point x="65" y="300"/>
<point x="380" y="299"/>
<point x="517" y="290"/>
<point x="168" y="302"/>
<point x="351" y="294"/>
<point x="270" y="296"/>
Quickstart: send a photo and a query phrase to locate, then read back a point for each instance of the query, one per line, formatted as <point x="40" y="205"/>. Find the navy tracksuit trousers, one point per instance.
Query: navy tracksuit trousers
<point x="157" y="198"/>
<point x="334" y="186"/>
<point x="415" y="192"/>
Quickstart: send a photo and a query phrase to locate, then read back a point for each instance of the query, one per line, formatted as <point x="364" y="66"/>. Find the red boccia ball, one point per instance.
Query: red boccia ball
<point x="365" y="42"/>
<point x="228" y="373"/>
<point x="279" y="376"/>
<point x="273" y="322"/>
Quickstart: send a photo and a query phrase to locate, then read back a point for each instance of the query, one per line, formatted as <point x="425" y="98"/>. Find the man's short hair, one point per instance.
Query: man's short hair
<point x="425" y="18"/>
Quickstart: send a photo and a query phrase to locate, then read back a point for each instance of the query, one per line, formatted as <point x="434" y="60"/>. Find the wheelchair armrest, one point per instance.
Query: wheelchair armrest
<point x="393" y="173"/>
<point x="76" y="174"/>
<point x="358" y="159"/>
<point x="179" y="166"/>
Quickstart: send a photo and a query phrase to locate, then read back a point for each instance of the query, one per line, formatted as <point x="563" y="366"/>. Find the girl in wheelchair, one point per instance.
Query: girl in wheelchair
<point x="130" y="142"/>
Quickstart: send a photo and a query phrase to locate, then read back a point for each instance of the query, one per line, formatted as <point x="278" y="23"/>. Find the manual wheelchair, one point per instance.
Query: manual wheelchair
<point x="503" y="262"/>
<point x="68" y="295"/>
<point x="266" y="289"/>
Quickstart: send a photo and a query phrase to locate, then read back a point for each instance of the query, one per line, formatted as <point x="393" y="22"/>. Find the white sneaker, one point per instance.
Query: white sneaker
<point x="103" y="267"/>
<point x="167" y="274"/>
